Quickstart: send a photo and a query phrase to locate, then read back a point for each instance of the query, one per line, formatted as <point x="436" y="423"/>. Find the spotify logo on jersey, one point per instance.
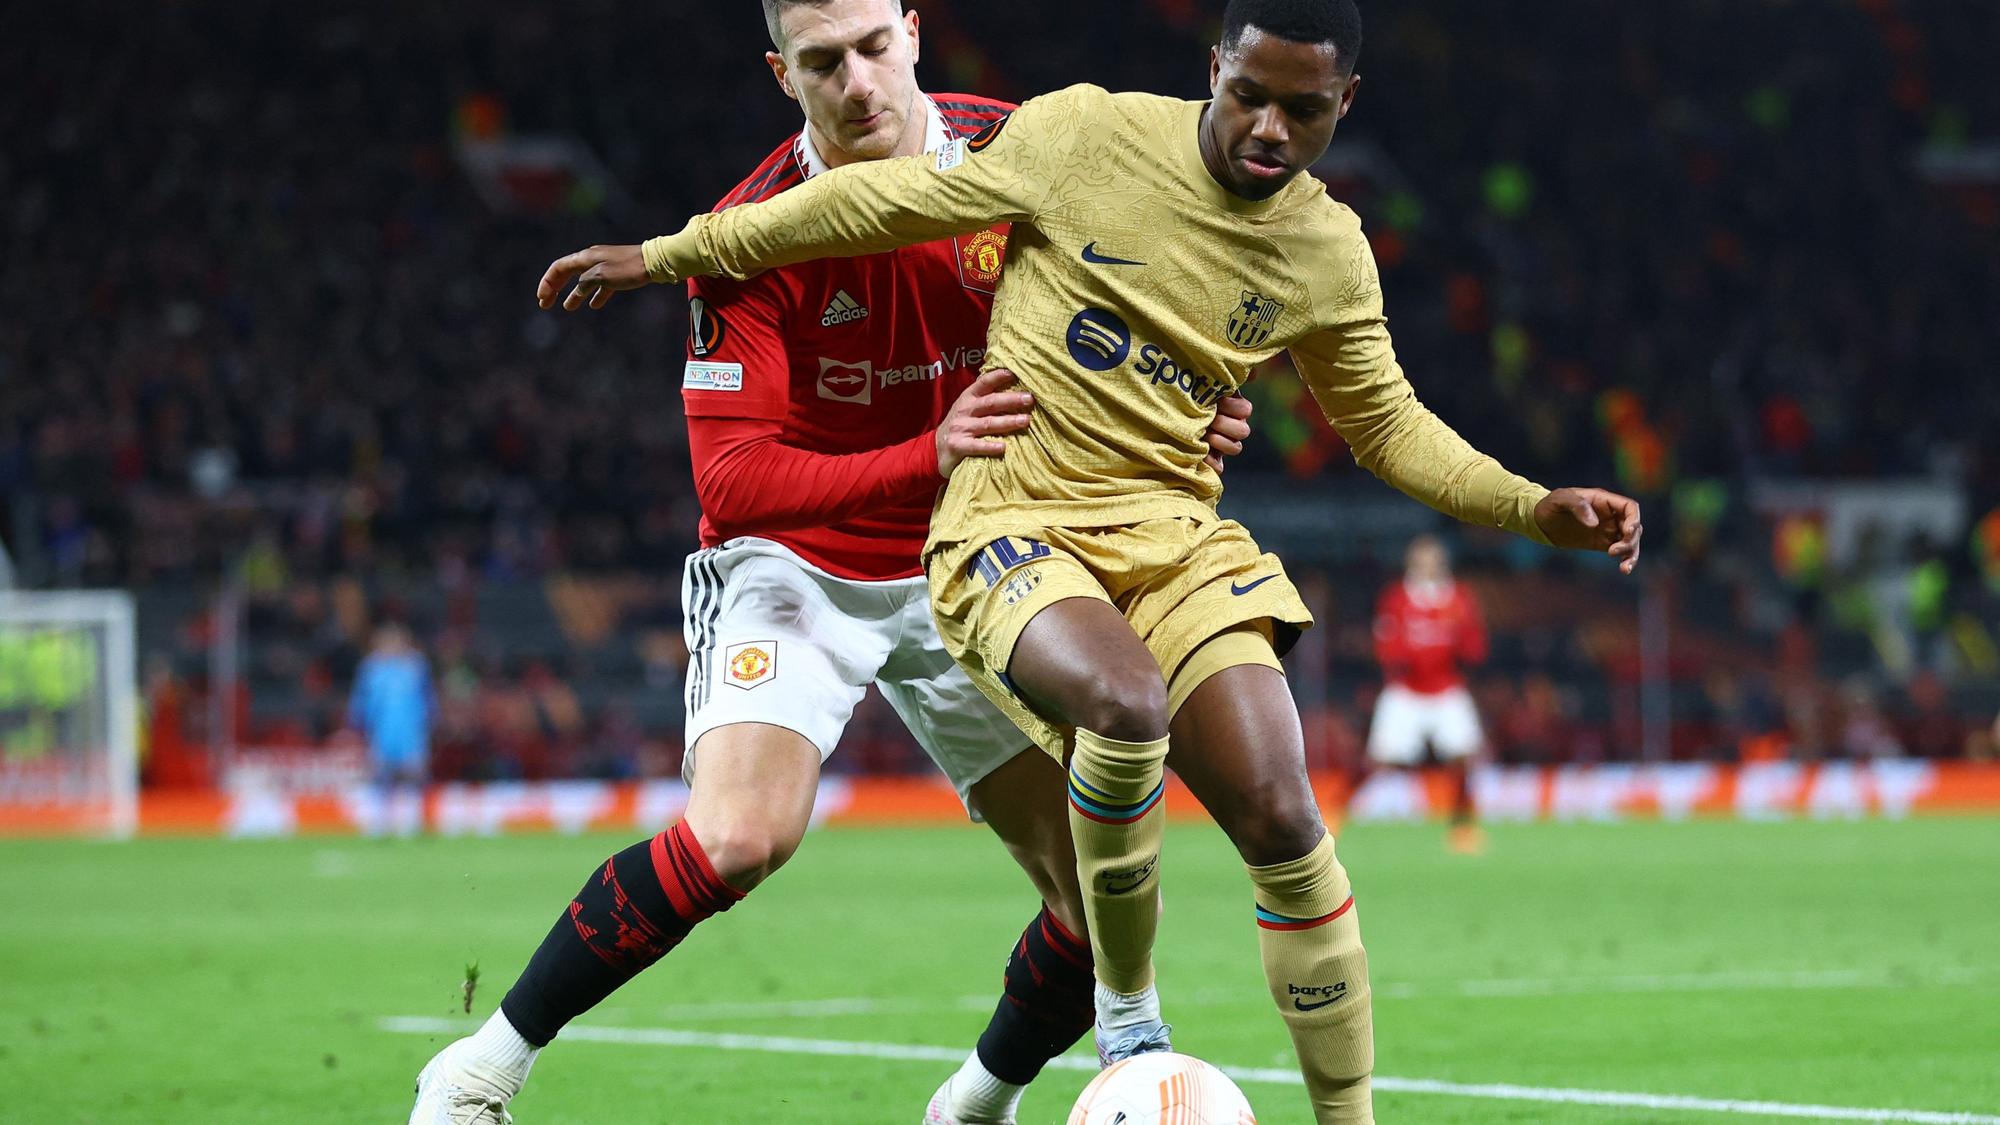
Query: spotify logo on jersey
<point x="1098" y="340"/>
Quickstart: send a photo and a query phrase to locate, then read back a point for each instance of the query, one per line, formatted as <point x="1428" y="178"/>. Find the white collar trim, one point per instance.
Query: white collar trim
<point x="936" y="136"/>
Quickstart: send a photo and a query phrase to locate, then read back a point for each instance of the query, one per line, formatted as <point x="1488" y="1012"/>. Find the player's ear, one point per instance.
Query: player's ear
<point x="782" y="72"/>
<point x="910" y="29"/>
<point x="1214" y="69"/>
<point x="1347" y="95"/>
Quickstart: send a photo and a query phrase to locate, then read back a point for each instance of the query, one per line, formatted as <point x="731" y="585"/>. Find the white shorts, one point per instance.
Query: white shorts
<point x="1406" y="721"/>
<point x="773" y="639"/>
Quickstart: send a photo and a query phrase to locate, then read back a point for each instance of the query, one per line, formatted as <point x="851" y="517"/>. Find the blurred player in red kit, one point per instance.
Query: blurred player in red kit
<point x="1428" y="629"/>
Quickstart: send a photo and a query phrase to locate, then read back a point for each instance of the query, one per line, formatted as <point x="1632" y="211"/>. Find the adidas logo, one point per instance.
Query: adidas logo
<point x="841" y="310"/>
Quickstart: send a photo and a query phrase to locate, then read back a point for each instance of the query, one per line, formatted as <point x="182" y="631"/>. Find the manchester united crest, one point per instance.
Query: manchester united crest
<point x="980" y="258"/>
<point x="751" y="664"/>
<point x="1250" y="322"/>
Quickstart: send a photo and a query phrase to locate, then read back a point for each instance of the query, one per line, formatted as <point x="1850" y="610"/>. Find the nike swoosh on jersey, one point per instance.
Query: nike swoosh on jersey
<point x="1239" y="591"/>
<point x="1091" y="255"/>
<point x="1305" y="1007"/>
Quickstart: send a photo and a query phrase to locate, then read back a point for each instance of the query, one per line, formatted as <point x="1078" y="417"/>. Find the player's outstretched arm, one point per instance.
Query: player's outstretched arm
<point x="598" y="271"/>
<point x="1397" y="438"/>
<point x="1005" y="174"/>
<point x="1591" y="519"/>
<point x="751" y="483"/>
<point x="859" y="209"/>
<point x="1351" y="370"/>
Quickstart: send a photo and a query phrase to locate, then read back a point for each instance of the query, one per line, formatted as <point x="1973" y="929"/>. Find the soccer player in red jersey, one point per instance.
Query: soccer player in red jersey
<point x="1427" y="629"/>
<point x="826" y="402"/>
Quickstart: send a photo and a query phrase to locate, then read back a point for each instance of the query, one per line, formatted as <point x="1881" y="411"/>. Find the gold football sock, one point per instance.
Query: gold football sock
<point x="1116" y="816"/>
<point x="1318" y="972"/>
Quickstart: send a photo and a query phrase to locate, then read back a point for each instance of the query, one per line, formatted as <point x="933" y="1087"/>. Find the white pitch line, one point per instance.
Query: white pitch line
<point x="1744" y="980"/>
<point x="913" y="1052"/>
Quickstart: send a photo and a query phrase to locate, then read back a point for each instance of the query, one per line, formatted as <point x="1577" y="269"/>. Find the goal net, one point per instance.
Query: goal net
<point x="69" y="720"/>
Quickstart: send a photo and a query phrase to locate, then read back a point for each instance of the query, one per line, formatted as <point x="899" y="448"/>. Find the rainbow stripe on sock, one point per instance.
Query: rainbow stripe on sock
<point x="1101" y="807"/>
<point x="1272" y="920"/>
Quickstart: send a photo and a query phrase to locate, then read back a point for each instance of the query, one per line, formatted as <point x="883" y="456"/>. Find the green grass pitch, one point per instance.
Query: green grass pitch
<point x="1844" y="964"/>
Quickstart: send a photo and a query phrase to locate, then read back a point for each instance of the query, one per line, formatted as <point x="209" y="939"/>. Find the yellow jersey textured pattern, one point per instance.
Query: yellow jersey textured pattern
<point x="1137" y="293"/>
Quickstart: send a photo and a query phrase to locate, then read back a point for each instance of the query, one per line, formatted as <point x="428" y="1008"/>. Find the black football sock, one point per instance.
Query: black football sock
<point x="1045" y="1006"/>
<point x="639" y="905"/>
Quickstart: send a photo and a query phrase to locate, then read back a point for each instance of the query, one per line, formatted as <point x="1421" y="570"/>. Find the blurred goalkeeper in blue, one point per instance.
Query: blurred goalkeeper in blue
<point x="392" y="706"/>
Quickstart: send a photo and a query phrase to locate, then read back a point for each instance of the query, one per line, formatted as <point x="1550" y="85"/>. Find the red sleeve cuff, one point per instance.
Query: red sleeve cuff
<point x="915" y="461"/>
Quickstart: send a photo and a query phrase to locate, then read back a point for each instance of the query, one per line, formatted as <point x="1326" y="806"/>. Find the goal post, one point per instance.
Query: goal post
<point x="69" y="713"/>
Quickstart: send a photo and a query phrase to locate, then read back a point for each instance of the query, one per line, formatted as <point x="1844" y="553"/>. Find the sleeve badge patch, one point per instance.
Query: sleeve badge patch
<point x="985" y="136"/>
<point x="705" y="328"/>
<point x="712" y="376"/>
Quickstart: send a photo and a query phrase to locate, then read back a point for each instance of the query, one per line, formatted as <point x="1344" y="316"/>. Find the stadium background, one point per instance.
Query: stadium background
<point x="268" y="360"/>
<point x="271" y="365"/>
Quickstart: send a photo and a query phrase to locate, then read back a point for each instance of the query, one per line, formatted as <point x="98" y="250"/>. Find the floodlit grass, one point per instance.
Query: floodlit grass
<point x="1849" y="964"/>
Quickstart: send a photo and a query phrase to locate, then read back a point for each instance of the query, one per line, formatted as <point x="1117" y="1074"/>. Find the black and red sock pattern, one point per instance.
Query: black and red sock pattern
<point x="1046" y="1003"/>
<point x="639" y="905"/>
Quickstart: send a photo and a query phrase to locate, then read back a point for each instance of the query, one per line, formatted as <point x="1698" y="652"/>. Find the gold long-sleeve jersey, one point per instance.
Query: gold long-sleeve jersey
<point x="1137" y="293"/>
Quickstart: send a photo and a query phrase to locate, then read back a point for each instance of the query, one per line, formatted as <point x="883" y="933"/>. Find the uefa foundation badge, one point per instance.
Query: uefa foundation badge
<point x="751" y="663"/>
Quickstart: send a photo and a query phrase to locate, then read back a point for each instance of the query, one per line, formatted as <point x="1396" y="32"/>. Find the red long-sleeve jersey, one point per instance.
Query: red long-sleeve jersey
<point x="813" y="392"/>
<point x="1424" y="636"/>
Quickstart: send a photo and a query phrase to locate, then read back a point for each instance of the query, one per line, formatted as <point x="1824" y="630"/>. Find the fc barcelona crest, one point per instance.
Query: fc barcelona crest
<point x="1250" y="322"/>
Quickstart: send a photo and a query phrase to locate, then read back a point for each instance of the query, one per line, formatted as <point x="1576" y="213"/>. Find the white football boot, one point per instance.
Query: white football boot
<point x="1129" y="1024"/>
<point x="1119" y="1044"/>
<point x="940" y="1111"/>
<point x="974" y="1095"/>
<point x="457" y="1089"/>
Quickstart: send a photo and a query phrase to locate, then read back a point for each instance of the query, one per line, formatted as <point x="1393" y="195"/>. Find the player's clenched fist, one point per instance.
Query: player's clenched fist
<point x="1591" y="519"/>
<point x="599" y="272"/>
<point x="984" y="411"/>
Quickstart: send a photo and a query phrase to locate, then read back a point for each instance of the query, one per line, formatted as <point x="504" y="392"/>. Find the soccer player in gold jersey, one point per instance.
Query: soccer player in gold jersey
<point x="1161" y="250"/>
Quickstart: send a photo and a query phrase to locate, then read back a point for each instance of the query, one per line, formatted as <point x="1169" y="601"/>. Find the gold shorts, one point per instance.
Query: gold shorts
<point x="1178" y="581"/>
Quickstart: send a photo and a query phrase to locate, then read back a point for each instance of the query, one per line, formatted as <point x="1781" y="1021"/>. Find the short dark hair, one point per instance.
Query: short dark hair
<point x="774" y="8"/>
<point x="1302" y="21"/>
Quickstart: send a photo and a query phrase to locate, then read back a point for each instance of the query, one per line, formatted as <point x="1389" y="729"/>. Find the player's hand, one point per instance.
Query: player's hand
<point x="983" y="412"/>
<point x="599" y="272"/>
<point x="1229" y="430"/>
<point x="1591" y="519"/>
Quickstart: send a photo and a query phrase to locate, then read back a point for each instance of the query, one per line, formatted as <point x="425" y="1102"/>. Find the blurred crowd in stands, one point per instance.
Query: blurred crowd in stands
<point x="270" y="331"/>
